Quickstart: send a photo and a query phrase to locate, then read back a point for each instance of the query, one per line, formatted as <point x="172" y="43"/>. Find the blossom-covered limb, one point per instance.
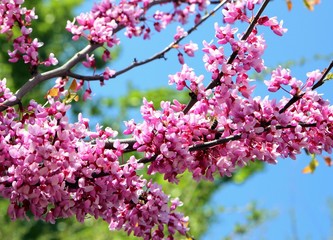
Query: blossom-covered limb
<point x="42" y="77"/>
<point x="162" y="53"/>
<point x="299" y="95"/>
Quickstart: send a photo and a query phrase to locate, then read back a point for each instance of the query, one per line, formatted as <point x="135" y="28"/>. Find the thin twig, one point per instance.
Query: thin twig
<point x="214" y="143"/>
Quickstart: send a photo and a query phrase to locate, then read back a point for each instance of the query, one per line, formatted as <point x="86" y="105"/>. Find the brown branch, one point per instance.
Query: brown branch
<point x="146" y="160"/>
<point x="162" y="53"/>
<point x="294" y="99"/>
<point x="213" y="143"/>
<point x="233" y="56"/>
<point x="85" y="78"/>
<point x="129" y="141"/>
<point x="41" y="77"/>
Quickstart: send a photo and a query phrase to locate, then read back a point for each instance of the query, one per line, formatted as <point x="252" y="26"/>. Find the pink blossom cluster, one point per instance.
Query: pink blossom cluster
<point x="235" y="11"/>
<point x="282" y="76"/>
<point x="249" y="52"/>
<point x="159" y="136"/>
<point x="24" y="46"/>
<point x="181" y="13"/>
<point x="5" y="93"/>
<point x="48" y="168"/>
<point x="167" y="135"/>
<point x="99" y="24"/>
<point x="189" y="48"/>
<point x="12" y="12"/>
<point x="195" y="85"/>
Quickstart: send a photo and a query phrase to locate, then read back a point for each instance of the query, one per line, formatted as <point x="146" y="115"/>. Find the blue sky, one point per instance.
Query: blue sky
<point x="281" y="188"/>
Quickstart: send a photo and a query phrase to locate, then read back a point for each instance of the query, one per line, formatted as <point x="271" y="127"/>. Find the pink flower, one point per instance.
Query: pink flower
<point x="51" y="60"/>
<point x="26" y="31"/>
<point x="190" y="48"/>
<point x="278" y="29"/>
<point x="233" y="12"/>
<point x="224" y="34"/>
<point x="280" y="76"/>
<point x="313" y="77"/>
<point x="106" y="55"/>
<point x="90" y="61"/>
<point x="108" y="73"/>
<point x="250" y="3"/>
<point x="273" y="24"/>
<point x="87" y="94"/>
<point x="180" y="33"/>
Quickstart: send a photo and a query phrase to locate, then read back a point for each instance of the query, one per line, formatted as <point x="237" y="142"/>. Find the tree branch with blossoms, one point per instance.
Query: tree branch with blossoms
<point x="232" y="57"/>
<point x="299" y="95"/>
<point x="42" y="77"/>
<point x="53" y="168"/>
<point x="172" y="45"/>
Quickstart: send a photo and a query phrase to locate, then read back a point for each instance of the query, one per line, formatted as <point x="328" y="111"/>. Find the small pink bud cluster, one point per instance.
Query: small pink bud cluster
<point x="5" y="93"/>
<point x="98" y="25"/>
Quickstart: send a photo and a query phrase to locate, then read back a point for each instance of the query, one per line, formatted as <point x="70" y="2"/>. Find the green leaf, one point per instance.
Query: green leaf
<point x="307" y="5"/>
